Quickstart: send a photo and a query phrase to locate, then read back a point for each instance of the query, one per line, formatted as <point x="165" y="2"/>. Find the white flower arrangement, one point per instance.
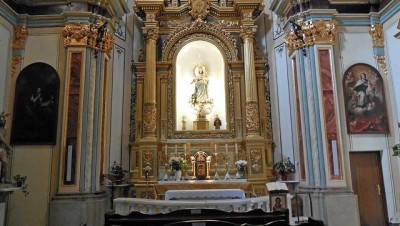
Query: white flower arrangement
<point x="241" y="163"/>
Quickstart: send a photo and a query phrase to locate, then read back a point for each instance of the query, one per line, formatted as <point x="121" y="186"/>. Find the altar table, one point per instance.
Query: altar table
<point x="160" y="189"/>
<point x="204" y="194"/>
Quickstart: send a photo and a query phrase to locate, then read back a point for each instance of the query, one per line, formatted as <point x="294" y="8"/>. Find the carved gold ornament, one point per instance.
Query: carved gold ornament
<point x="15" y="61"/>
<point x="311" y="32"/>
<point x="149" y="119"/>
<point x="252" y="119"/>
<point x="202" y="30"/>
<point x="382" y="63"/>
<point x="376" y="31"/>
<point x="256" y="164"/>
<point x="95" y="36"/>
<point x="199" y="8"/>
<point x="20" y="34"/>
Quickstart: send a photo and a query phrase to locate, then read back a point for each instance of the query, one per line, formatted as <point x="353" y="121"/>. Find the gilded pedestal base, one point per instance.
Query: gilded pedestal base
<point x="201" y="124"/>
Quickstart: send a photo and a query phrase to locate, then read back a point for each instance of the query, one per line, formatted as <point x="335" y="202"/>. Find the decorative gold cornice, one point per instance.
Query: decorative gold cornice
<point x="20" y="34"/>
<point x="199" y="8"/>
<point x="247" y="32"/>
<point x="174" y="23"/>
<point x="151" y="33"/>
<point x="15" y="61"/>
<point x="382" y="63"/>
<point x="95" y="36"/>
<point x="203" y="30"/>
<point x="311" y="32"/>
<point x="376" y="31"/>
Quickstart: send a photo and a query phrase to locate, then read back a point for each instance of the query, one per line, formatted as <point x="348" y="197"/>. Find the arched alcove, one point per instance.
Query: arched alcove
<point x="191" y="55"/>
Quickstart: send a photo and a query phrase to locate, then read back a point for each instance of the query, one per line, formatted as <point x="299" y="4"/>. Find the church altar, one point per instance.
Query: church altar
<point x="160" y="189"/>
<point x="204" y="194"/>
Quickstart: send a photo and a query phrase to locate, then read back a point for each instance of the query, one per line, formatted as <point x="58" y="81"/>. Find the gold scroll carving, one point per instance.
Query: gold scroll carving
<point x="14" y="63"/>
<point x="149" y="119"/>
<point x="252" y="120"/>
<point x="382" y="63"/>
<point x="151" y="33"/>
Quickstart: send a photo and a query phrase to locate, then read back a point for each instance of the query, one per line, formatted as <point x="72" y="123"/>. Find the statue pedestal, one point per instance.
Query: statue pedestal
<point x="201" y="124"/>
<point x="5" y="191"/>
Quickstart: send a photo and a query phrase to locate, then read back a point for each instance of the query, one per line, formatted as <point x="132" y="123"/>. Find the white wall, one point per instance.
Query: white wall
<point x="5" y="38"/>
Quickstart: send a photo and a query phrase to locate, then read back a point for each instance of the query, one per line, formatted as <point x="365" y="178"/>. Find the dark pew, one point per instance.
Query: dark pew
<point x="210" y="217"/>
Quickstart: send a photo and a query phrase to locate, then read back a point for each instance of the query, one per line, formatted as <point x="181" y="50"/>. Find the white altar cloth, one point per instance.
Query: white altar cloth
<point x="204" y="194"/>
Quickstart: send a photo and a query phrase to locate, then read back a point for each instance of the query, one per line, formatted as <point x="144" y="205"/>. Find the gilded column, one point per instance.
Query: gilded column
<point x="151" y="32"/>
<point x="252" y="112"/>
<point x="238" y="105"/>
<point x="163" y="104"/>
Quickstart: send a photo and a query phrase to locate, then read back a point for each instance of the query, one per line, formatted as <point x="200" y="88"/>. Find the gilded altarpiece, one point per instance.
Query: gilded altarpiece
<point x="201" y="102"/>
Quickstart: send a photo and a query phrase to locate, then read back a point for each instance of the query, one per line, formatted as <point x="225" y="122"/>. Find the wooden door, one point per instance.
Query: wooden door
<point x="366" y="176"/>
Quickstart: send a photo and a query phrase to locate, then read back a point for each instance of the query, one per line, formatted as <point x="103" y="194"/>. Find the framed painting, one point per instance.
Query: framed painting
<point x="36" y="105"/>
<point x="364" y="99"/>
<point x="277" y="202"/>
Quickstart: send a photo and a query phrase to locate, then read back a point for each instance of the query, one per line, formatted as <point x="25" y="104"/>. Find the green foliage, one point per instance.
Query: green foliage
<point x="284" y="167"/>
<point x="177" y="163"/>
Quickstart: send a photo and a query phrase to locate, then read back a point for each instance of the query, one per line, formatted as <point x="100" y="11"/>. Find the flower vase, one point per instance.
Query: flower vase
<point x="178" y="175"/>
<point x="241" y="173"/>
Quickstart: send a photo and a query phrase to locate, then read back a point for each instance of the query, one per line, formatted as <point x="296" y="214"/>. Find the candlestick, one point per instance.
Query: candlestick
<point x="236" y="150"/>
<point x="215" y="148"/>
<point x="176" y="150"/>
<point x="184" y="148"/>
<point x="226" y="149"/>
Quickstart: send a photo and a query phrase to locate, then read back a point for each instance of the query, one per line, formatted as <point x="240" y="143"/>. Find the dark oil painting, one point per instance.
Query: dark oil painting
<point x="36" y="105"/>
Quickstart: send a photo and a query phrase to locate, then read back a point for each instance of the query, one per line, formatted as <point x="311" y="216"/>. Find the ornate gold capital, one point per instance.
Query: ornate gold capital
<point x="76" y="34"/>
<point x="149" y="119"/>
<point x="95" y="36"/>
<point x="376" y="31"/>
<point x="247" y="32"/>
<point x="20" y="34"/>
<point x="309" y="33"/>
<point x="199" y="8"/>
<point x="151" y="33"/>
<point x="252" y="119"/>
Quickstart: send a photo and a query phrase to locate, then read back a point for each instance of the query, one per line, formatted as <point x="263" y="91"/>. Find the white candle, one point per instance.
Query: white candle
<point x="215" y="148"/>
<point x="226" y="149"/>
<point x="176" y="150"/>
<point x="165" y="151"/>
<point x="184" y="148"/>
<point x="236" y="150"/>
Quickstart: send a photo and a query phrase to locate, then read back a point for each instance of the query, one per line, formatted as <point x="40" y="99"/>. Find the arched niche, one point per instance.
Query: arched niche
<point x="191" y="55"/>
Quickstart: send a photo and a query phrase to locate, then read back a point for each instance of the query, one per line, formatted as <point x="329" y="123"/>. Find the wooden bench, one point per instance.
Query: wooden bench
<point x="209" y="217"/>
